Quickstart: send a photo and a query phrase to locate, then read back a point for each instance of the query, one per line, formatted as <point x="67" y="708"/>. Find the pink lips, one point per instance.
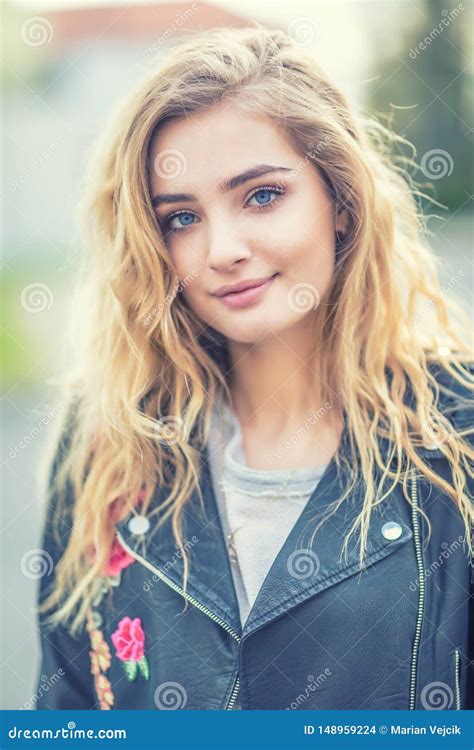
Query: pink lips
<point x="246" y="296"/>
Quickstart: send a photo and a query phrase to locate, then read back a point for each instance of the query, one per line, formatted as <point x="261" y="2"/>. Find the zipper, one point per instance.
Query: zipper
<point x="191" y="599"/>
<point x="457" y="680"/>
<point x="234" y="694"/>
<point x="421" y="595"/>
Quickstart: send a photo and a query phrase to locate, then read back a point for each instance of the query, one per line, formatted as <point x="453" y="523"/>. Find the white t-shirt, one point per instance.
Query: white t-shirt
<point x="258" y="507"/>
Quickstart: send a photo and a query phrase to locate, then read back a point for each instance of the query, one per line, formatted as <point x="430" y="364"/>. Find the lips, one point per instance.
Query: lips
<point x="247" y="296"/>
<point x="243" y="286"/>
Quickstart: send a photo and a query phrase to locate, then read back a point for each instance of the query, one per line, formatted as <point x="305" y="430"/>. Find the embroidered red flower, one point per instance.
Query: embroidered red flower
<point x="129" y="639"/>
<point x="129" y="642"/>
<point x="118" y="559"/>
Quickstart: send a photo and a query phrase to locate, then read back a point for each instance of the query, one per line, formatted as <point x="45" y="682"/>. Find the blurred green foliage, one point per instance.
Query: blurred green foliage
<point x="429" y="75"/>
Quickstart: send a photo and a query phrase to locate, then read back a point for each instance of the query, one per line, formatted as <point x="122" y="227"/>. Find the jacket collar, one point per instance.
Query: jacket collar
<point x="303" y="566"/>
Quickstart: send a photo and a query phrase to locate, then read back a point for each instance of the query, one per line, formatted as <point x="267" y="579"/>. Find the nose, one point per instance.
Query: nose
<point x="225" y="248"/>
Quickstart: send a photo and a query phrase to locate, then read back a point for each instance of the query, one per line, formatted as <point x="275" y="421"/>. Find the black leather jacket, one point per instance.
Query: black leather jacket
<point x="322" y="634"/>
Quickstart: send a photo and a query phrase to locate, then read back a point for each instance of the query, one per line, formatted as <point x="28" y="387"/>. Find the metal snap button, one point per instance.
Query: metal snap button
<point x="391" y="530"/>
<point x="138" y="525"/>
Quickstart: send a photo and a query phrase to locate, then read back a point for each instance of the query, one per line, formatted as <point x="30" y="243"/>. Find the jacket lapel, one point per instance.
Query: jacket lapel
<point x="309" y="563"/>
<point x="304" y="565"/>
<point x="210" y="579"/>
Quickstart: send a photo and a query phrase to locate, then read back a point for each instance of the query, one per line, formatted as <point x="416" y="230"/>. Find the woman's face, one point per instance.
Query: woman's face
<point x="274" y="227"/>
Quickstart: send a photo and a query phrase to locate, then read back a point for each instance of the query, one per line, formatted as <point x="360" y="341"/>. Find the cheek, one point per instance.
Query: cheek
<point x="195" y="296"/>
<point x="308" y="258"/>
<point x="188" y="266"/>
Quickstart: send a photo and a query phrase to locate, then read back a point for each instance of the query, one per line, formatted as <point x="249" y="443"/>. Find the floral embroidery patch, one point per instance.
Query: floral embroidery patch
<point x="129" y="642"/>
<point x="101" y="660"/>
<point x="128" y="639"/>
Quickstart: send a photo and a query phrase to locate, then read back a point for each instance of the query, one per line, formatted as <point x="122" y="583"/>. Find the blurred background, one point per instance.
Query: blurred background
<point x="65" y="66"/>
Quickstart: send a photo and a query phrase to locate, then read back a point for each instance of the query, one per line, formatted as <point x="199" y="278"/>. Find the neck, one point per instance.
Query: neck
<point x="272" y="383"/>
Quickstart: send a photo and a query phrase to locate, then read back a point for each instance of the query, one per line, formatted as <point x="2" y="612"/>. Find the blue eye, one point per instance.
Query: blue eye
<point x="186" y="218"/>
<point x="263" y="195"/>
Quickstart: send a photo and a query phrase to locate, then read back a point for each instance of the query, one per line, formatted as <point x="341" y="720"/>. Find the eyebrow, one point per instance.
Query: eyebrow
<point x="224" y="187"/>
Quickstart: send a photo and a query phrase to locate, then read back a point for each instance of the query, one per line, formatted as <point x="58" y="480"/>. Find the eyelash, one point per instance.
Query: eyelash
<point x="276" y="189"/>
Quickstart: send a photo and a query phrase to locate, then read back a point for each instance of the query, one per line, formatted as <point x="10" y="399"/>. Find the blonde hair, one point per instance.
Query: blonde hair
<point x="144" y="362"/>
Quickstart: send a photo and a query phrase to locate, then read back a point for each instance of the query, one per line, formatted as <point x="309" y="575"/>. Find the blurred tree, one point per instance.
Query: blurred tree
<point x="430" y="77"/>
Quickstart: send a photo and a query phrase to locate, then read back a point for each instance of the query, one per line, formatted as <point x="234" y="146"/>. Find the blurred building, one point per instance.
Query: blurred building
<point x="80" y="63"/>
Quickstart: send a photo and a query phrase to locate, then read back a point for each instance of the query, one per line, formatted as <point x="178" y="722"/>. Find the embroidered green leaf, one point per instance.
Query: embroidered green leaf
<point x="144" y="668"/>
<point x="130" y="668"/>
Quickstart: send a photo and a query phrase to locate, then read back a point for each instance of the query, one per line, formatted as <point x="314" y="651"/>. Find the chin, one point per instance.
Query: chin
<point x="251" y="333"/>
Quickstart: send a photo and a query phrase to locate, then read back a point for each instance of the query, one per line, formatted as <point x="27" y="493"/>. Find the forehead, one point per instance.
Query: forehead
<point x="193" y="154"/>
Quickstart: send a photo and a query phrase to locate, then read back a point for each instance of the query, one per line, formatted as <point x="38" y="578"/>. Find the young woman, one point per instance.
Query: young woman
<point x="260" y="496"/>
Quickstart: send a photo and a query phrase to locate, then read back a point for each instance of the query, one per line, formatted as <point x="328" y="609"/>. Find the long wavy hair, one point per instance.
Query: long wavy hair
<point x="146" y="371"/>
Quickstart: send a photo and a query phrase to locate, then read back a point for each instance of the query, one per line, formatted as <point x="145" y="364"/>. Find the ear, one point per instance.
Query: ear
<point x="342" y="221"/>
